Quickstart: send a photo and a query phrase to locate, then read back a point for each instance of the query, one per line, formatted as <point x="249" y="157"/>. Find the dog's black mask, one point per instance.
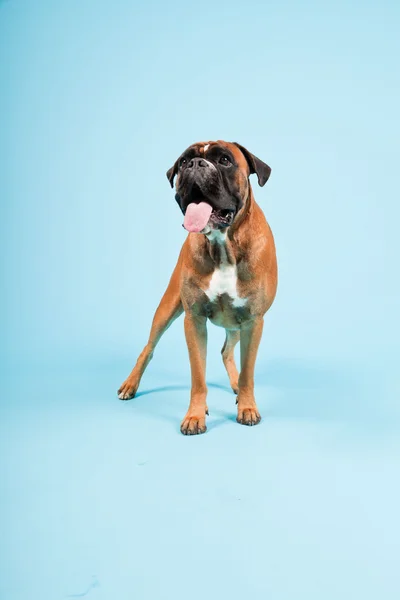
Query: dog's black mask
<point x="210" y="172"/>
<point x="209" y="177"/>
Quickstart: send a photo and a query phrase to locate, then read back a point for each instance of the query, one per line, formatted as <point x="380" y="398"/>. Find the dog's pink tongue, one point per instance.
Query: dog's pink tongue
<point x="196" y="216"/>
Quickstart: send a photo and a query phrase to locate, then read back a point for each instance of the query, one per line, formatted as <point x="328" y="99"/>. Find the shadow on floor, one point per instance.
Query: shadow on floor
<point x="295" y="389"/>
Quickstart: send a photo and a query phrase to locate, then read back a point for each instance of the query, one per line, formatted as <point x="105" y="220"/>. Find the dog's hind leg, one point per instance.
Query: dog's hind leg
<point x="232" y="338"/>
<point x="169" y="309"/>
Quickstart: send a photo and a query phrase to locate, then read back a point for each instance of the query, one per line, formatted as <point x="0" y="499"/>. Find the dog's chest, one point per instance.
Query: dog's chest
<point x="224" y="281"/>
<point x="226" y="307"/>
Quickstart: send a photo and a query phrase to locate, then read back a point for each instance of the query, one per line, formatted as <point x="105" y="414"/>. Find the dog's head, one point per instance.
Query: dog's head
<point x="212" y="183"/>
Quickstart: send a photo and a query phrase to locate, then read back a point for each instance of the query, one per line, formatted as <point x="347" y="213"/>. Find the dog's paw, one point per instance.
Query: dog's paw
<point x="235" y="387"/>
<point x="193" y="424"/>
<point x="248" y="416"/>
<point x="127" y="390"/>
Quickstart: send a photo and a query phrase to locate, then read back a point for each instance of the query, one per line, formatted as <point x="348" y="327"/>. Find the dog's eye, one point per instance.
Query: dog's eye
<point x="182" y="162"/>
<point x="224" y="160"/>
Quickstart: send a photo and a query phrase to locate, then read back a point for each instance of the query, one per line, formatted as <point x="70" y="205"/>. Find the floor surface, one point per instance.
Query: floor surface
<point x="106" y="499"/>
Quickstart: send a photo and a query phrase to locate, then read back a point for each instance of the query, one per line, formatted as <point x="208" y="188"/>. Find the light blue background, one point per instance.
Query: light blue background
<point x="105" y="498"/>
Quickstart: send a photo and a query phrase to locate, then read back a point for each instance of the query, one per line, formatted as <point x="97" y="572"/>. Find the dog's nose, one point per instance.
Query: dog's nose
<point x="196" y="163"/>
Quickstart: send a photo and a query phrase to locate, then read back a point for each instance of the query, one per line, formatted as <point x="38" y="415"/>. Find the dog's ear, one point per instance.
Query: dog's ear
<point x="256" y="165"/>
<point x="172" y="172"/>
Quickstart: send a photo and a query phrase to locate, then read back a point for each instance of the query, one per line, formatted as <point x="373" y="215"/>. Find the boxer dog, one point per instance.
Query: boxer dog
<point x="226" y="272"/>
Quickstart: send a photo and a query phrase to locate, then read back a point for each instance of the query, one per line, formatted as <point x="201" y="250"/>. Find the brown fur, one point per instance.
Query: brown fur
<point x="250" y="245"/>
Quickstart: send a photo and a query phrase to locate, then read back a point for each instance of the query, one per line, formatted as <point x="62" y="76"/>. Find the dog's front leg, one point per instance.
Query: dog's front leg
<point x="196" y="339"/>
<point x="250" y="337"/>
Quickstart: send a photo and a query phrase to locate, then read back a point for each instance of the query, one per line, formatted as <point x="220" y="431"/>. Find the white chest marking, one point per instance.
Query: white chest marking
<point x="224" y="278"/>
<point x="224" y="281"/>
